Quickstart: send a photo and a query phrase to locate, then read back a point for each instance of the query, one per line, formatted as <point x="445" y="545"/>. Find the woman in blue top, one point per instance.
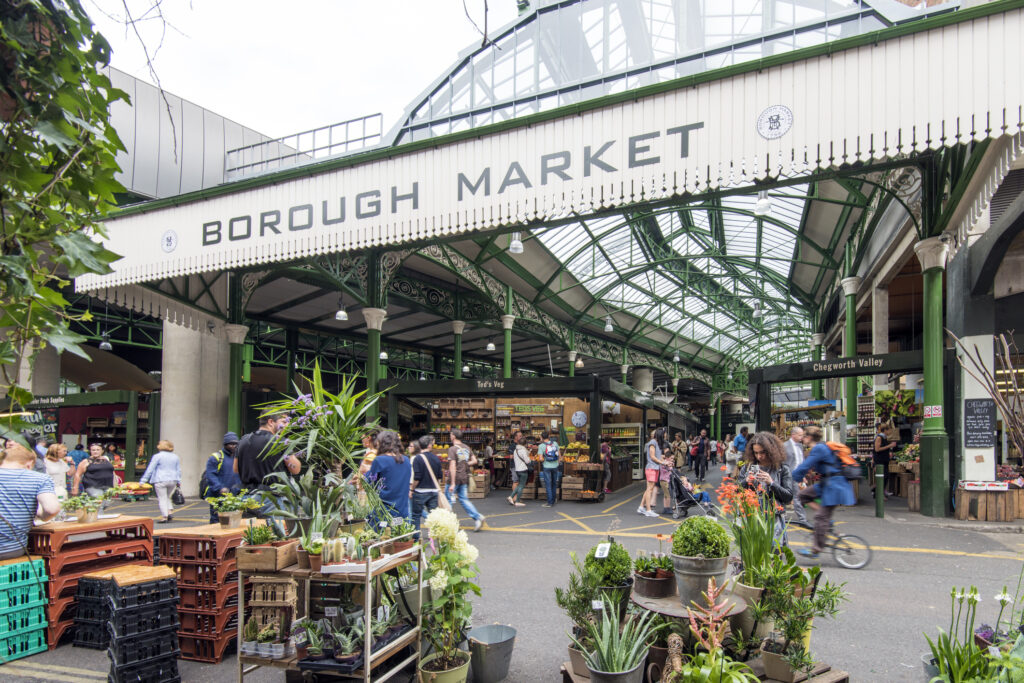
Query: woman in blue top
<point x="391" y="473"/>
<point x="164" y="473"/>
<point x="832" y="488"/>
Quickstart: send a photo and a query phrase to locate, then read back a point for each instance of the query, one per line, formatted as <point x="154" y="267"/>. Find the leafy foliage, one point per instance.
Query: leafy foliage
<point x="700" y="536"/>
<point x="613" y="570"/>
<point x="576" y="599"/>
<point x="229" y="502"/>
<point x="57" y="167"/>
<point x="618" y="649"/>
<point x="259" y="535"/>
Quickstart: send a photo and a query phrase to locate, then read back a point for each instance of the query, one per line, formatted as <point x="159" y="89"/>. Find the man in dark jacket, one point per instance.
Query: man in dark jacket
<point x="220" y="476"/>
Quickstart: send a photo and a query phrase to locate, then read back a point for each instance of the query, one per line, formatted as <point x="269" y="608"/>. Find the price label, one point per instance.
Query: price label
<point x="596" y="605"/>
<point x="330" y="612"/>
<point x="316" y="536"/>
<point x="602" y="550"/>
<point x="382" y="524"/>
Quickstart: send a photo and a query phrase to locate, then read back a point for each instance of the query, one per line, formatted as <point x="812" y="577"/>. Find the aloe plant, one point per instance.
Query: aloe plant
<point x="616" y="649"/>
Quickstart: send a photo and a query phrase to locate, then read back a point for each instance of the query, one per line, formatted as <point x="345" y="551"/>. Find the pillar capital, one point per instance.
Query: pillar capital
<point x="507" y="321"/>
<point x="818" y="339"/>
<point x="458" y="327"/>
<point x="624" y="368"/>
<point x="236" y="333"/>
<point x="374" y="318"/>
<point x="572" y="356"/>
<point x="932" y="252"/>
<point x="675" y="382"/>
<point x="850" y="285"/>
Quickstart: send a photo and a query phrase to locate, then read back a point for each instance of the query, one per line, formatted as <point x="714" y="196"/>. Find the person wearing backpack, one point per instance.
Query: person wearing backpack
<point x="833" y="489"/>
<point x="548" y="448"/>
<point x="219" y="477"/>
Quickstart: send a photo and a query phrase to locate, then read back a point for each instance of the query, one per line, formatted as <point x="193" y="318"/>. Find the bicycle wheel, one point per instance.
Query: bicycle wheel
<point x="850" y="551"/>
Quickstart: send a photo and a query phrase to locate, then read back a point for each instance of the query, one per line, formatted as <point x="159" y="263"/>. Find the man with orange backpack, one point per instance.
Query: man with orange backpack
<point x="833" y="489"/>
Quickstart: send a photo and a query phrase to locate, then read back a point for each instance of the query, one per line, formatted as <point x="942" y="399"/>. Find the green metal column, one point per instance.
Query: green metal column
<point x="850" y="286"/>
<point x="934" y="441"/>
<point x="131" y="440"/>
<point x="236" y="359"/>
<point x="458" y="327"/>
<point x="506" y="367"/>
<point x="291" y="345"/>
<point x="817" y="388"/>
<point x="625" y="365"/>
<point x="374" y="324"/>
<point x="572" y="363"/>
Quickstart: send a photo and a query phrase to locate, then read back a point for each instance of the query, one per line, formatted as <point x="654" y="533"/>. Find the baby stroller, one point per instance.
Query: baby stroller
<point x="684" y="500"/>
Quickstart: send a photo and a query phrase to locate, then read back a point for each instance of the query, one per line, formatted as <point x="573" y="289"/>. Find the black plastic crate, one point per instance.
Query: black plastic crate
<point x="156" y="644"/>
<point x="136" y="621"/>
<point x="93" y="589"/>
<point x="140" y="594"/>
<point x="91" y="634"/>
<point x="93" y="609"/>
<point x="163" y="669"/>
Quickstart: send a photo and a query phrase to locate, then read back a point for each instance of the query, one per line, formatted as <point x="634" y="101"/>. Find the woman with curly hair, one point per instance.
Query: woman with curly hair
<point x="764" y="469"/>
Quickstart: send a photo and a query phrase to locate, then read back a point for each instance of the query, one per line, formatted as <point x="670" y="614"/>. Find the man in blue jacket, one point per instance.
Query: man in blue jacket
<point x="832" y="488"/>
<point x="220" y="476"/>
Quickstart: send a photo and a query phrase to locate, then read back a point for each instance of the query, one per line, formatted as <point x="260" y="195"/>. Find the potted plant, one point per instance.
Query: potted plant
<point x="338" y="550"/>
<point x="314" y="645"/>
<point x="663" y="566"/>
<point x="792" y="598"/>
<point x="266" y="636"/>
<point x="576" y="600"/>
<point x="229" y="507"/>
<point x="646" y="581"/>
<point x="300" y="635"/>
<point x="346" y="648"/>
<point x="450" y="571"/>
<point x="250" y="632"/>
<point x="313" y="549"/>
<point x="87" y="507"/>
<point x="614" y="570"/>
<point x="955" y="655"/>
<point x="700" y="551"/>
<point x="399" y="527"/>
<point x="618" y="653"/>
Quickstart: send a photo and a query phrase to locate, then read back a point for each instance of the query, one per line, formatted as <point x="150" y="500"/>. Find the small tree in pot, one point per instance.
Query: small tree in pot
<point x="700" y="551"/>
<point x="576" y="600"/>
<point x="614" y="571"/>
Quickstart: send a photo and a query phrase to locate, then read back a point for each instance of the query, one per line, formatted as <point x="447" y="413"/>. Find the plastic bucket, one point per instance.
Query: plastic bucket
<point x="490" y="649"/>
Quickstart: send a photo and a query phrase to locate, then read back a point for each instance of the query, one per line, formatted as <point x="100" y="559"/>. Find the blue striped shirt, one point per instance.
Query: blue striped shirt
<point x="18" y="490"/>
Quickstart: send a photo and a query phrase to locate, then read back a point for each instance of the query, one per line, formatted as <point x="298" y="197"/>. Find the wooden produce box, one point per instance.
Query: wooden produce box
<point x="483" y="486"/>
<point x="1020" y="501"/>
<point x="986" y="506"/>
<point x="914" y="495"/>
<point x="267" y="558"/>
<point x="575" y="483"/>
<point x="904" y="483"/>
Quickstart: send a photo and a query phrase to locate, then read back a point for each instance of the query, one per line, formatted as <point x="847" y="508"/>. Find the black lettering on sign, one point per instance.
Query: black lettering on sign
<point x="636" y="149"/>
<point x="515" y="176"/>
<point x="414" y="196"/>
<point x="684" y="137"/>
<point x="270" y="219"/>
<point x="371" y="207"/>
<point x="233" y="235"/>
<point x="594" y="159"/>
<point x="341" y="213"/>
<point x="307" y="221"/>
<point x="484" y="179"/>
<point x="211" y="233"/>
<point x="546" y="166"/>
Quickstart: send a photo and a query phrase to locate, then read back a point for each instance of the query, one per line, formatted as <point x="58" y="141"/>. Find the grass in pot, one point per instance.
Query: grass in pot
<point x="250" y="632"/>
<point x="700" y="551"/>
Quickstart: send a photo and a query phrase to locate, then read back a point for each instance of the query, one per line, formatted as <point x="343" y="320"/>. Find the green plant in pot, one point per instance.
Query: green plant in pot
<point x="449" y="571"/>
<point x="266" y="636"/>
<point x="314" y="550"/>
<point x="646" y="580"/>
<point x="792" y="599"/>
<point x="616" y="647"/>
<point x="614" y="570"/>
<point x="700" y="551"/>
<point x="346" y="647"/>
<point x="229" y="507"/>
<point x="250" y="632"/>
<point x="576" y="600"/>
<point x="955" y="654"/>
<point x="314" y="645"/>
<point x="87" y="507"/>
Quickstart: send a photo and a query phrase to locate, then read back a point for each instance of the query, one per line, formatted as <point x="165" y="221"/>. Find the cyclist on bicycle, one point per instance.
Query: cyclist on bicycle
<point x="832" y="488"/>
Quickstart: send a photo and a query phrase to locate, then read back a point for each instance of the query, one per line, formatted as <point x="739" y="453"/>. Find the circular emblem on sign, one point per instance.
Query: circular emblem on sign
<point x="579" y="418"/>
<point x="169" y="241"/>
<point x="774" y="122"/>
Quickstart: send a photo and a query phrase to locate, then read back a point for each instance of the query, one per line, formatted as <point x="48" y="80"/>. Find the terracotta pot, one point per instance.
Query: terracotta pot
<point x="400" y="546"/>
<point x="775" y="667"/>
<point x="656" y="657"/>
<point x="88" y="516"/>
<point x="314" y="562"/>
<point x="664" y="574"/>
<point x="231" y="519"/>
<point x="303" y="558"/>
<point x="579" y="665"/>
<point x="744" y="621"/>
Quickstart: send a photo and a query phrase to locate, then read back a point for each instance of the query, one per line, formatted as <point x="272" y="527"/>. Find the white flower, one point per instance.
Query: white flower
<point x="439" y="581"/>
<point x="1004" y="598"/>
<point x="443" y="525"/>
<point x="470" y="552"/>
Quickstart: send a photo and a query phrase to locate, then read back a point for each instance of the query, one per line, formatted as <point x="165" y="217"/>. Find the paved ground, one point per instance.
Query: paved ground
<point x="524" y="554"/>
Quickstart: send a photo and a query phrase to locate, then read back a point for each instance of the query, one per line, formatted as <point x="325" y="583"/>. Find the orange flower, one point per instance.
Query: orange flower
<point x="722" y="468"/>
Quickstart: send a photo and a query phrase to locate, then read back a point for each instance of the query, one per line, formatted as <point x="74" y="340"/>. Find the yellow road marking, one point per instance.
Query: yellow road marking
<point x="60" y="669"/>
<point x="579" y="523"/>
<point x="639" y="493"/>
<point x="554" y="521"/>
<point x="506" y="514"/>
<point x="647" y="526"/>
<point x="18" y="669"/>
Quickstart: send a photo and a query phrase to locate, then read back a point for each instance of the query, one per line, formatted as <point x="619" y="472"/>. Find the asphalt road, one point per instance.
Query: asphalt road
<point x="524" y="554"/>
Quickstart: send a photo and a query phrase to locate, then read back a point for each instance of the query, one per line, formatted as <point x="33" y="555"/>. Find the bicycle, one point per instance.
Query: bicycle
<point x="848" y="550"/>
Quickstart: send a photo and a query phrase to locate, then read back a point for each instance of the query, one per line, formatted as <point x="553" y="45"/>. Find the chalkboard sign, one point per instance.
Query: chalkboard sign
<point x="979" y="423"/>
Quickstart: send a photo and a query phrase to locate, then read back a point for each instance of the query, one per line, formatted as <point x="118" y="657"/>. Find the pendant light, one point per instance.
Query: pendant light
<point x="763" y="206"/>
<point x="757" y="310"/>
<point x="342" y="314"/>
<point x="383" y="355"/>
<point x="608" y="324"/>
<point x="516" y="245"/>
<point x="579" y="363"/>
<point x="675" y="358"/>
<point x="105" y="345"/>
<point x="490" y="345"/>
<point x="465" y="369"/>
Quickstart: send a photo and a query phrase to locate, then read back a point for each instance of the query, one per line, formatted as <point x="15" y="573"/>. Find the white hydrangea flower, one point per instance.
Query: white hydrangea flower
<point x="471" y="553"/>
<point x="439" y="581"/>
<point x="443" y="525"/>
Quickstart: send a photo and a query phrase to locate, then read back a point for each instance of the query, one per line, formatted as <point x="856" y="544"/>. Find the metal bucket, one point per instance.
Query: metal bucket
<point x="692" y="574"/>
<point x="490" y="649"/>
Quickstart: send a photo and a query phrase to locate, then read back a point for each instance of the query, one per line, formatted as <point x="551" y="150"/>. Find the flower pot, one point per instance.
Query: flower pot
<point x="744" y="621"/>
<point x="250" y="647"/>
<point x="301" y="652"/>
<point x="230" y="520"/>
<point x="316" y="656"/>
<point x="455" y="675"/>
<point x="656" y="657"/>
<point x="346" y="659"/>
<point x="931" y="669"/>
<point x="88" y="516"/>
<point x="277" y="650"/>
<point x="619" y="595"/>
<point x="692" y="574"/>
<point x="400" y="546"/>
<point x="776" y="667"/>
<point x="634" y="675"/>
<point x="578" y="663"/>
<point x="315" y="562"/>
<point x="303" y="558"/>
<point x="664" y="574"/>
<point x="653" y="587"/>
<point x="263" y="649"/>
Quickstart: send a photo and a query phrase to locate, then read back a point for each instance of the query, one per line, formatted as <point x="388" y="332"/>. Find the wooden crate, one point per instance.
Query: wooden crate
<point x="1002" y="506"/>
<point x="904" y="483"/>
<point x="1020" y="502"/>
<point x="914" y="495"/>
<point x="986" y="506"/>
<point x="268" y="558"/>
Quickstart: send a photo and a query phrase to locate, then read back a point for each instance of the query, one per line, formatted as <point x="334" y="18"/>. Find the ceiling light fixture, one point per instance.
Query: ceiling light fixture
<point x="423" y="376"/>
<point x="105" y="344"/>
<point x="515" y="246"/>
<point x="763" y="207"/>
<point x="342" y="314"/>
<point x="465" y="369"/>
<point x="757" y="310"/>
<point x="675" y="358"/>
<point x="383" y="355"/>
<point x="490" y="344"/>
<point x="579" y="363"/>
<point x="730" y="375"/>
<point x="608" y="324"/>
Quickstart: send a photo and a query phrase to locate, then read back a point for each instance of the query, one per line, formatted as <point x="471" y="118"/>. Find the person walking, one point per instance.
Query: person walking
<point x="390" y="472"/>
<point x="740" y="442"/>
<point x="460" y="461"/>
<point x="94" y="475"/>
<point x="700" y="460"/>
<point x="164" y="473"/>
<point x="548" y="449"/>
<point x="832" y="489"/>
<point x="219" y="477"/>
<point x="424" y="489"/>
<point x="882" y="455"/>
<point x="58" y="464"/>
<point x="678" y="449"/>
<point x="691" y="453"/>
<point x="652" y="471"/>
<point x="794" y="449"/>
<point x="78" y="454"/>
<point x="254" y="459"/>
<point x="713" y="451"/>
<point x="765" y="470"/>
<point x="521" y="463"/>
<point x="24" y="494"/>
<point x="606" y="460"/>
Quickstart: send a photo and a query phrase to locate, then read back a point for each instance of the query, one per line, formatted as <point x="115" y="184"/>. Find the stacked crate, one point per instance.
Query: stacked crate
<point x="72" y="550"/>
<point x="203" y="559"/>
<point x="482" y="481"/>
<point x="275" y="598"/>
<point x="136" y="607"/>
<point x="22" y="608"/>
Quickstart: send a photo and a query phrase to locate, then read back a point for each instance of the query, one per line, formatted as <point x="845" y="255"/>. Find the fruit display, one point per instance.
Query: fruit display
<point x="131" y="491"/>
<point x="577" y="451"/>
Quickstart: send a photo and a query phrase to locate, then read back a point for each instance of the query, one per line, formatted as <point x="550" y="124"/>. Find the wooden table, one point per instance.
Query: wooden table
<point x="671" y="607"/>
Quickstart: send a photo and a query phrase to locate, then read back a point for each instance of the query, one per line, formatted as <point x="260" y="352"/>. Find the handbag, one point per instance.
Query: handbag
<point x="472" y="484"/>
<point x="178" y="498"/>
<point x="442" y="500"/>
